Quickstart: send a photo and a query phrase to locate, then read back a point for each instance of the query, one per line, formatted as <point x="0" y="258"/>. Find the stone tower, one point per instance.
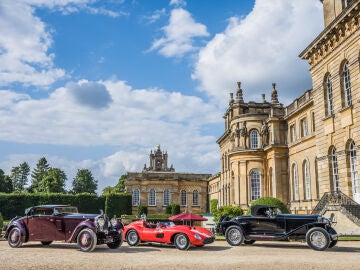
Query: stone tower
<point x="158" y="161"/>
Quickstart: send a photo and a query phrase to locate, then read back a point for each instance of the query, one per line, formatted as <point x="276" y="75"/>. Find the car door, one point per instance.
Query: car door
<point x="41" y="225"/>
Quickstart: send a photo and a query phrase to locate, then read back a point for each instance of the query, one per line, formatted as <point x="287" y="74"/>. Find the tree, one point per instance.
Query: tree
<point x="53" y="181"/>
<point x="19" y="176"/>
<point x="6" y="185"/>
<point x="84" y="182"/>
<point x="118" y="188"/>
<point x="37" y="175"/>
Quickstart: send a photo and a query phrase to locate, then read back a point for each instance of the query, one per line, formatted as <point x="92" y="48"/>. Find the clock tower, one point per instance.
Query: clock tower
<point x="158" y="161"/>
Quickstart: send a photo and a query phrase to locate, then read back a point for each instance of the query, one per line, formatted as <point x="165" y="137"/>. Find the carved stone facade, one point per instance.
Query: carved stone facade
<point x="298" y="152"/>
<point x="158" y="186"/>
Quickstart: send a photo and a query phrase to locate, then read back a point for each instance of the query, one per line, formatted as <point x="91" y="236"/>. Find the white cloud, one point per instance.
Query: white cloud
<point x="157" y="14"/>
<point x="177" y="3"/>
<point x="179" y="35"/>
<point x="259" y="49"/>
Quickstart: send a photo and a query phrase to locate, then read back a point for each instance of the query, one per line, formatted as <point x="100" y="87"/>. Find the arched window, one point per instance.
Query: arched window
<point x="255" y="179"/>
<point x="167" y="198"/>
<point x="354" y="172"/>
<point x="136" y="197"/>
<point x="346" y="85"/>
<point x="306" y="173"/>
<point x="295" y="182"/>
<point x="254" y="139"/>
<point x="335" y="170"/>
<point x="329" y="96"/>
<point x="183" y="198"/>
<point x="195" y="197"/>
<point x="152" y="197"/>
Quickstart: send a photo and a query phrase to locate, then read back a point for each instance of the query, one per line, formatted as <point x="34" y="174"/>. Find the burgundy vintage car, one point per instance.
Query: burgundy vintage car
<point x="48" y="223"/>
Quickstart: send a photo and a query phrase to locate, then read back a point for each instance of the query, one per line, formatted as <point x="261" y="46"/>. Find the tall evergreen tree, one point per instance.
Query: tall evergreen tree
<point x="84" y="182"/>
<point x="19" y="176"/>
<point x="37" y="175"/>
<point x="5" y="183"/>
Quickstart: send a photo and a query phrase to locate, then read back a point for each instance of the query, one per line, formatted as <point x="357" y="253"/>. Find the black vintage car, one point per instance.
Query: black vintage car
<point x="268" y="223"/>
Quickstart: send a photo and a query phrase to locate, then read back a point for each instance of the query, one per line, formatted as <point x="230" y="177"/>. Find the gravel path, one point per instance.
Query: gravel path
<point x="218" y="255"/>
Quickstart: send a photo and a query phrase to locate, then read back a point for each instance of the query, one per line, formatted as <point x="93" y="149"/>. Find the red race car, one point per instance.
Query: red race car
<point x="182" y="236"/>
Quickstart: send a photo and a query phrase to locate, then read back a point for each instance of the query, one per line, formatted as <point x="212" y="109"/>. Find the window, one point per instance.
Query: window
<point x="347" y="85"/>
<point x="166" y="197"/>
<point x="255" y="180"/>
<point x="183" y="198"/>
<point x="329" y="96"/>
<point x="307" y="180"/>
<point x="254" y="136"/>
<point x="354" y="171"/>
<point x="295" y="182"/>
<point x="313" y="121"/>
<point x="136" y="197"/>
<point x="152" y="197"/>
<point x="292" y="133"/>
<point x="304" y="130"/>
<point x="195" y="197"/>
<point x="335" y="171"/>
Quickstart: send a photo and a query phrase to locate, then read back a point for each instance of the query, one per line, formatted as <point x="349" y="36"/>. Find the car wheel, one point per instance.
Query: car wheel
<point x="249" y="242"/>
<point x="46" y="243"/>
<point x="14" y="238"/>
<point x="318" y="238"/>
<point x="181" y="241"/>
<point x="234" y="235"/>
<point x="333" y="243"/>
<point x="132" y="238"/>
<point x="117" y="242"/>
<point x="86" y="240"/>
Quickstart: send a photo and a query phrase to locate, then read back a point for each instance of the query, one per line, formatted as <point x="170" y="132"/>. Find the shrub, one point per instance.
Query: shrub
<point x="1" y="222"/>
<point x="168" y="209"/>
<point x="229" y="210"/>
<point x="117" y="204"/>
<point x="142" y="209"/>
<point x="175" y="209"/>
<point x="213" y="205"/>
<point x="269" y="201"/>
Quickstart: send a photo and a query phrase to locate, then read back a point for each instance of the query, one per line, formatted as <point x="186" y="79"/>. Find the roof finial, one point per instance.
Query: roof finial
<point x="274" y="94"/>
<point x="231" y="100"/>
<point x="239" y="93"/>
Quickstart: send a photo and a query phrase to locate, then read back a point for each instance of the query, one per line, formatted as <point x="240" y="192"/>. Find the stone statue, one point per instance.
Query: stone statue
<point x="264" y="133"/>
<point x="244" y="133"/>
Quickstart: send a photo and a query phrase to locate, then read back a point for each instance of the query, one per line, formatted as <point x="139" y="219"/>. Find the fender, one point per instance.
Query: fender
<point x="85" y="224"/>
<point x="23" y="230"/>
<point x="307" y="227"/>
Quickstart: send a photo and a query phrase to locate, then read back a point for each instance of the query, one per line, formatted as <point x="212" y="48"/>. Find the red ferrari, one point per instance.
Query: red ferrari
<point x="182" y="236"/>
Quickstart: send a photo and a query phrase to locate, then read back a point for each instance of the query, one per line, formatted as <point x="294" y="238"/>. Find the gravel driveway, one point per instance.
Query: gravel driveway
<point x="218" y="255"/>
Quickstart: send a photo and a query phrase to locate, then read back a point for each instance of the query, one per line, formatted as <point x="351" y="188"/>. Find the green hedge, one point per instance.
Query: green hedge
<point x="213" y="205"/>
<point x="14" y="204"/>
<point x="228" y="210"/>
<point x="269" y="201"/>
<point x="1" y="222"/>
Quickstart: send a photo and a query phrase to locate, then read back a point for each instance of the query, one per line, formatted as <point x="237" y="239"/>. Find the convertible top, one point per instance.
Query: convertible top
<point x="259" y="210"/>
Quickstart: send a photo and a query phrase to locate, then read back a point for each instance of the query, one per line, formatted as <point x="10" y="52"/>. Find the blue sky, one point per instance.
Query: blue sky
<point x="98" y="84"/>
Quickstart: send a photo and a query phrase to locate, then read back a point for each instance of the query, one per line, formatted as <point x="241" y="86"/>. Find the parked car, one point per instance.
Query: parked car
<point x="48" y="223"/>
<point x="182" y="236"/>
<point x="268" y="223"/>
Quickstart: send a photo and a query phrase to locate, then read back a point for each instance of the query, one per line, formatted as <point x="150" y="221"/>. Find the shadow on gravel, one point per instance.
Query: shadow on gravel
<point x="303" y="247"/>
<point x="210" y="248"/>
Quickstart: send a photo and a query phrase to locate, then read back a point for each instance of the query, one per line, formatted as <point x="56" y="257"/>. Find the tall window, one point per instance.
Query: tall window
<point x="295" y="182"/>
<point x="292" y="133"/>
<point x="347" y="85"/>
<point x="335" y="170"/>
<point x="304" y="130"/>
<point x="307" y="180"/>
<point x="136" y="197"/>
<point x="166" y="197"/>
<point x="354" y="171"/>
<point x="255" y="179"/>
<point x="329" y="96"/>
<point x="152" y="197"/>
<point x="195" y="197"/>
<point x="254" y="137"/>
<point x="183" y="198"/>
<point x="313" y="121"/>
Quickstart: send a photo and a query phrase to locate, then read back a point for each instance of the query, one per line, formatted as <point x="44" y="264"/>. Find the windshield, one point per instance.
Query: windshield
<point x="67" y="210"/>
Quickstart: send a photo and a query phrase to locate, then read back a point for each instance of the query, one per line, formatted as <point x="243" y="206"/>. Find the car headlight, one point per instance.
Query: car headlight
<point x="101" y="222"/>
<point x="113" y="222"/>
<point x="198" y="237"/>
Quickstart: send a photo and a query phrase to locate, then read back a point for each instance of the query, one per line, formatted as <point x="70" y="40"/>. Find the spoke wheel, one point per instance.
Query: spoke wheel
<point x="86" y="240"/>
<point x="234" y="235"/>
<point x="318" y="239"/>
<point x="132" y="238"/>
<point x="182" y="241"/>
<point x="14" y="238"/>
